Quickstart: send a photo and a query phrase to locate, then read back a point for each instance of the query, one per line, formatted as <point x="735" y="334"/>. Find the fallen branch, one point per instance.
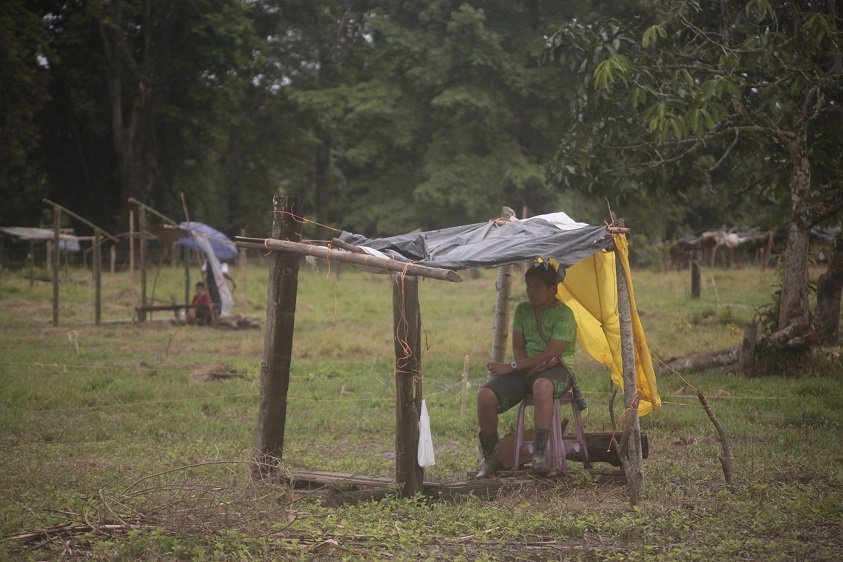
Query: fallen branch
<point x="720" y="358"/>
<point x="793" y="338"/>
<point x="726" y="459"/>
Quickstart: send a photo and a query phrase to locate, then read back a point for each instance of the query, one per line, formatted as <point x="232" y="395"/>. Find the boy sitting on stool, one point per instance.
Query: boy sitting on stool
<point x="200" y="313"/>
<point x="544" y="335"/>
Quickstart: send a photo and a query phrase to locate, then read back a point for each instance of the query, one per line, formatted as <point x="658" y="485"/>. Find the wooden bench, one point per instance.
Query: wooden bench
<point x="140" y="311"/>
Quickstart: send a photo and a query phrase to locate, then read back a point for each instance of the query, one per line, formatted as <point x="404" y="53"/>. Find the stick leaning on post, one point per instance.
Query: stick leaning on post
<point x="349" y="257"/>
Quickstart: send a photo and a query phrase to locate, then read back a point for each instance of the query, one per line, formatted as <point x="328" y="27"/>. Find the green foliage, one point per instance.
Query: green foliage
<point x="701" y="95"/>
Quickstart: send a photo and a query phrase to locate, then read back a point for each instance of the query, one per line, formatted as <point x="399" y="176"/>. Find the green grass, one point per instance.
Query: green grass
<point x="132" y="429"/>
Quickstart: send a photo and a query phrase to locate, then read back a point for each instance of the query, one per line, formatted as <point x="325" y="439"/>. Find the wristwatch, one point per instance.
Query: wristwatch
<point x="514" y="365"/>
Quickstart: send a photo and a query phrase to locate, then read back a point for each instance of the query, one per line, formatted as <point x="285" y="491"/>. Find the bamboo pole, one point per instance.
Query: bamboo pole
<point x="77" y="217"/>
<point x="631" y="442"/>
<point x="132" y="257"/>
<point x="408" y="388"/>
<point x="349" y="257"/>
<point x="55" y="263"/>
<point x="278" y="341"/>
<point x="243" y="260"/>
<point x="142" y="260"/>
<point x="141" y="205"/>
<point x="31" y="263"/>
<point x="97" y="271"/>
<point x="464" y="385"/>
<point x="185" y="256"/>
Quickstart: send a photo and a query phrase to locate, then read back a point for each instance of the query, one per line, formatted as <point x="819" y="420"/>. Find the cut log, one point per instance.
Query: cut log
<point x="699" y="362"/>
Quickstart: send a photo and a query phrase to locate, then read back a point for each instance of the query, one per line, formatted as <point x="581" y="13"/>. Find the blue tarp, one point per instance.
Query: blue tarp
<point x="223" y="247"/>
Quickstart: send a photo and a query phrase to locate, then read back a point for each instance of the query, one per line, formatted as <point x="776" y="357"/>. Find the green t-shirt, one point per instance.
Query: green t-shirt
<point x="558" y="323"/>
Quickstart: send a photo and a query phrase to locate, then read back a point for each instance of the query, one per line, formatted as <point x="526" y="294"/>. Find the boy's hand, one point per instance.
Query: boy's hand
<point x="499" y="369"/>
<point x="544" y="366"/>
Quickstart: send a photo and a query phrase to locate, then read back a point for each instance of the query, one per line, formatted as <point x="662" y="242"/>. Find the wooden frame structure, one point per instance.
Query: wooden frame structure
<point x="96" y="259"/>
<point x="142" y="209"/>
<point x="280" y="323"/>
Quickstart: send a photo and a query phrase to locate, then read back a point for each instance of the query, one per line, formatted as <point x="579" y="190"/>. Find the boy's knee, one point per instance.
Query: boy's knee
<point x="543" y="387"/>
<point x="486" y="398"/>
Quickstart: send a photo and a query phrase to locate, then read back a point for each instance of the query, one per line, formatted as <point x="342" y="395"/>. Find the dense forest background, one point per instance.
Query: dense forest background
<point x="388" y="116"/>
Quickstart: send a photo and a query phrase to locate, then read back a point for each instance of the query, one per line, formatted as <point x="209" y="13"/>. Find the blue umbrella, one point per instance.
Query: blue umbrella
<point x="222" y="245"/>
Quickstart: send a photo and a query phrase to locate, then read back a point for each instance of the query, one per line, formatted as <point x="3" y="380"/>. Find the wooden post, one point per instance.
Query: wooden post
<point x="132" y="258"/>
<point x="504" y="291"/>
<point x="66" y="262"/>
<point x="55" y="263"/>
<point x="142" y="242"/>
<point x="112" y="252"/>
<point x="408" y="388"/>
<point x="768" y="249"/>
<point x="97" y="270"/>
<point x="746" y="361"/>
<point x="31" y="263"/>
<point x="695" y="279"/>
<point x="278" y="341"/>
<point x="634" y="465"/>
<point x="464" y="385"/>
<point x="242" y="259"/>
<point x="185" y="254"/>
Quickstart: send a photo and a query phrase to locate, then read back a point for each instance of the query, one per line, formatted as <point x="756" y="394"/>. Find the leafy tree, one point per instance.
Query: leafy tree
<point x="322" y="48"/>
<point x="457" y="119"/>
<point x="23" y="92"/>
<point x="743" y="96"/>
<point x="139" y="91"/>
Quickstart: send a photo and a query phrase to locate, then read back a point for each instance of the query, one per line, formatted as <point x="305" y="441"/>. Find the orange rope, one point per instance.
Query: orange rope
<point x="673" y="371"/>
<point x="336" y="290"/>
<point x="303" y="220"/>
<point x="628" y="409"/>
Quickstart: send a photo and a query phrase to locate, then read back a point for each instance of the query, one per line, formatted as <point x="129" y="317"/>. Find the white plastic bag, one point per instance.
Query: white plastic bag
<point x="425" y="455"/>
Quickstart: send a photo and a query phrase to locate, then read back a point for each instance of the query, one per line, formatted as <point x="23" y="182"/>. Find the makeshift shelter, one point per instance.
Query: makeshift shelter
<point x="213" y="245"/>
<point x="502" y="242"/>
<point x="590" y="287"/>
<point x="67" y="240"/>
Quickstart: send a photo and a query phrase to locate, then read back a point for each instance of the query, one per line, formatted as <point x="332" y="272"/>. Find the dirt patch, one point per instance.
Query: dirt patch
<point x="215" y="372"/>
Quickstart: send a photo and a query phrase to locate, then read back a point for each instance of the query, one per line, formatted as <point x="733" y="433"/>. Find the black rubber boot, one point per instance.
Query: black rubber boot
<point x="491" y="461"/>
<point x="540" y="465"/>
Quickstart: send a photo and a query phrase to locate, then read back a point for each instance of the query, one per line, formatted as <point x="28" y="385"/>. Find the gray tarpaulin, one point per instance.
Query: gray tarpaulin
<point x="492" y="244"/>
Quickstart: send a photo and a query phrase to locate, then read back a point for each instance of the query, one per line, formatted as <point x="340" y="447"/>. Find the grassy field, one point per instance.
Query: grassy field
<point x="136" y="439"/>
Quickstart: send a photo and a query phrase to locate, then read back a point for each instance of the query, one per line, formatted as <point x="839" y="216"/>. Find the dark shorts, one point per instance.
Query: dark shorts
<point x="511" y="389"/>
<point x="203" y="315"/>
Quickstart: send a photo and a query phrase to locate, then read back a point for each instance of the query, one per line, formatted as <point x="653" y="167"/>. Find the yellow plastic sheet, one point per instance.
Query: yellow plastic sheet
<point x="590" y="289"/>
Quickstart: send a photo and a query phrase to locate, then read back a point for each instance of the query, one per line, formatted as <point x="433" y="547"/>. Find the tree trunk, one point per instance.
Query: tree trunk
<point x="793" y="306"/>
<point x="132" y="129"/>
<point x="829" y="288"/>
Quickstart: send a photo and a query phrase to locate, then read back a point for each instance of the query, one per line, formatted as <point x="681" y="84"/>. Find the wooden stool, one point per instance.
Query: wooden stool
<point x="558" y="445"/>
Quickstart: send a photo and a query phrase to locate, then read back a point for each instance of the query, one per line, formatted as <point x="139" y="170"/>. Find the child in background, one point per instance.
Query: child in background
<point x="201" y="313"/>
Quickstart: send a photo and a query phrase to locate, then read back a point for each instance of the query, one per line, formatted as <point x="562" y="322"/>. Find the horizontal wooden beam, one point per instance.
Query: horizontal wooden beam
<point x="388" y="264"/>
